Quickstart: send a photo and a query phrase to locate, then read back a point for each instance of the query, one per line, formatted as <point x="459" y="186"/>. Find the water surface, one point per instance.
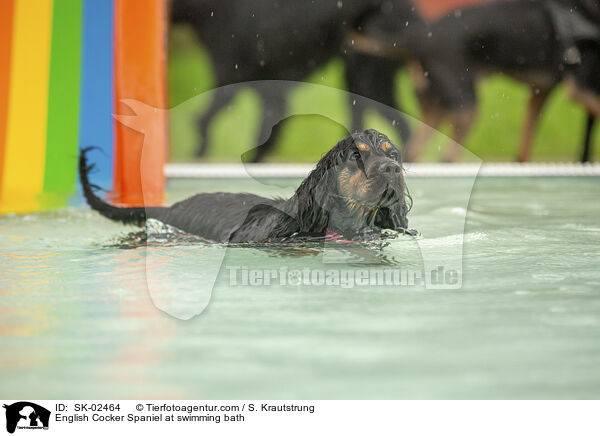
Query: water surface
<point x="80" y="318"/>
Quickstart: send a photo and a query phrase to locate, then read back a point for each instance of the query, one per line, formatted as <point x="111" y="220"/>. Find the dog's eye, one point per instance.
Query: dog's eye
<point x="393" y="155"/>
<point x="354" y="156"/>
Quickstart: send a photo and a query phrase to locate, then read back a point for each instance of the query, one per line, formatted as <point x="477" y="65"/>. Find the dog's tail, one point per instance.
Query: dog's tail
<point x="126" y="215"/>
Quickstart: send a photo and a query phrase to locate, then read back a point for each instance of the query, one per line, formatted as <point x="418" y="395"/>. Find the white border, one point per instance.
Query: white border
<point x="348" y="418"/>
<point x="228" y="170"/>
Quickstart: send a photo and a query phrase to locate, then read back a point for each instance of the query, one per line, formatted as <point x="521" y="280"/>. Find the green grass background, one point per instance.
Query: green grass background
<point x="233" y="131"/>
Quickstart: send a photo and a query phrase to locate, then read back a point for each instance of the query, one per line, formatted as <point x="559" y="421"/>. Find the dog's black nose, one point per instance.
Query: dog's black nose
<point x="390" y="169"/>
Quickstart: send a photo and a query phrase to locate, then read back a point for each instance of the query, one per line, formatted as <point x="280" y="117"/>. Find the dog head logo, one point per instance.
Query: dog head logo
<point x="26" y="415"/>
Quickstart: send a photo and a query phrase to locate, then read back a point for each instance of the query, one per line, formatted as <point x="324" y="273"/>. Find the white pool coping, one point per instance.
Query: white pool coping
<point x="230" y="170"/>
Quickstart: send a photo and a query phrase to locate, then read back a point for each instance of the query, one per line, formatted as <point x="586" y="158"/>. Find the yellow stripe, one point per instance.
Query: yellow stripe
<point x="25" y="153"/>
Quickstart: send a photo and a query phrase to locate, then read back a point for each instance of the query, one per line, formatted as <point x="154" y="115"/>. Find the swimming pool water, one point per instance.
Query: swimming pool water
<point x="85" y="317"/>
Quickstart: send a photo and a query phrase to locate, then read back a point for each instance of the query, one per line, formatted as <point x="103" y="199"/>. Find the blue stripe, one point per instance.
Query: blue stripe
<point x="96" y="126"/>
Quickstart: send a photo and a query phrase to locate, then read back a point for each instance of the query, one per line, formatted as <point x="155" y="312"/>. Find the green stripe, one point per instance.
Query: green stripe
<point x="63" y="99"/>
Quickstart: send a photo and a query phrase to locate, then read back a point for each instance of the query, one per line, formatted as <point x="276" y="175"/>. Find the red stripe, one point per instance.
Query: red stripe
<point x="6" y="28"/>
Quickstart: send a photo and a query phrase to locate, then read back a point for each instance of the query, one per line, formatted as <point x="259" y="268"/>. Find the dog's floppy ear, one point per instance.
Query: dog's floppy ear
<point x="314" y="194"/>
<point x="394" y="217"/>
<point x="312" y="201"/>
<point x="391" y="218"/>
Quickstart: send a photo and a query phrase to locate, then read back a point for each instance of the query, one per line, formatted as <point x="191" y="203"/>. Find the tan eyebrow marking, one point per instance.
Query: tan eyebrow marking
<point x="386" y="146"/>
<point x="362" y="146"/>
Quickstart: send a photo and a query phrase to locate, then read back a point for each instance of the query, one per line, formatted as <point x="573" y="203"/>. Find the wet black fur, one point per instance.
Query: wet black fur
<point x="316" y="206"/>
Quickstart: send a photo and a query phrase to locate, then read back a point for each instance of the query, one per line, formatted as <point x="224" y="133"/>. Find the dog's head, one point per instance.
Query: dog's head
<point x="359" y="183"/>
<point x="369" y="175"/>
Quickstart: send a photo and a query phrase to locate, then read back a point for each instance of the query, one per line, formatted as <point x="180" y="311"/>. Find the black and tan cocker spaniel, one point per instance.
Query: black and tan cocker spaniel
<point x="356" y="190"/>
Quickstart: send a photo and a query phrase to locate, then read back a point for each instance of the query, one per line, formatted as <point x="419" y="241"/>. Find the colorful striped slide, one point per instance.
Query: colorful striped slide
<point x="66" y="66"/>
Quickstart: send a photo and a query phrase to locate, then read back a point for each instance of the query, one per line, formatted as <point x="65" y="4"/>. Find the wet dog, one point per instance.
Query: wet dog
<point x="356" y="190"/>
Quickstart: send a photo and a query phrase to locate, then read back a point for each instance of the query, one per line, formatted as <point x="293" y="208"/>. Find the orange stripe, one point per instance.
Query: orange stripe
<point x="6" y="28"/>
<point x="140" y="29"/>
<point x="435" y="9"/>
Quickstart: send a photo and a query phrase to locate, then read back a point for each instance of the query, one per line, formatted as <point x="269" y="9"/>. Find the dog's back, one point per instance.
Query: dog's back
<point x="218" y="216"/>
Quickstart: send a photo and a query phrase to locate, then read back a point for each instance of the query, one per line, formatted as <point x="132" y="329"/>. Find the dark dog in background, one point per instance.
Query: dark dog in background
<point x="373" y="75"/>
<point x="356" y="190"/>
<point x="540" y="43"/>
<point x="287" y="40"/>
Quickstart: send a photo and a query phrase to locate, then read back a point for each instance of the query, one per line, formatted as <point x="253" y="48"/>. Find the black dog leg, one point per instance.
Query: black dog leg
<point x="222" y="97"/>
<point x="587" y="143"/>
<point x="250" y="156"/>
<point x="374" y="77"/>
<point x="273" y="113"/>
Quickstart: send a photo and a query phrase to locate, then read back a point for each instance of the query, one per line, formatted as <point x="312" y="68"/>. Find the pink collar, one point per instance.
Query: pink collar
<point x="335" y="237"/>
